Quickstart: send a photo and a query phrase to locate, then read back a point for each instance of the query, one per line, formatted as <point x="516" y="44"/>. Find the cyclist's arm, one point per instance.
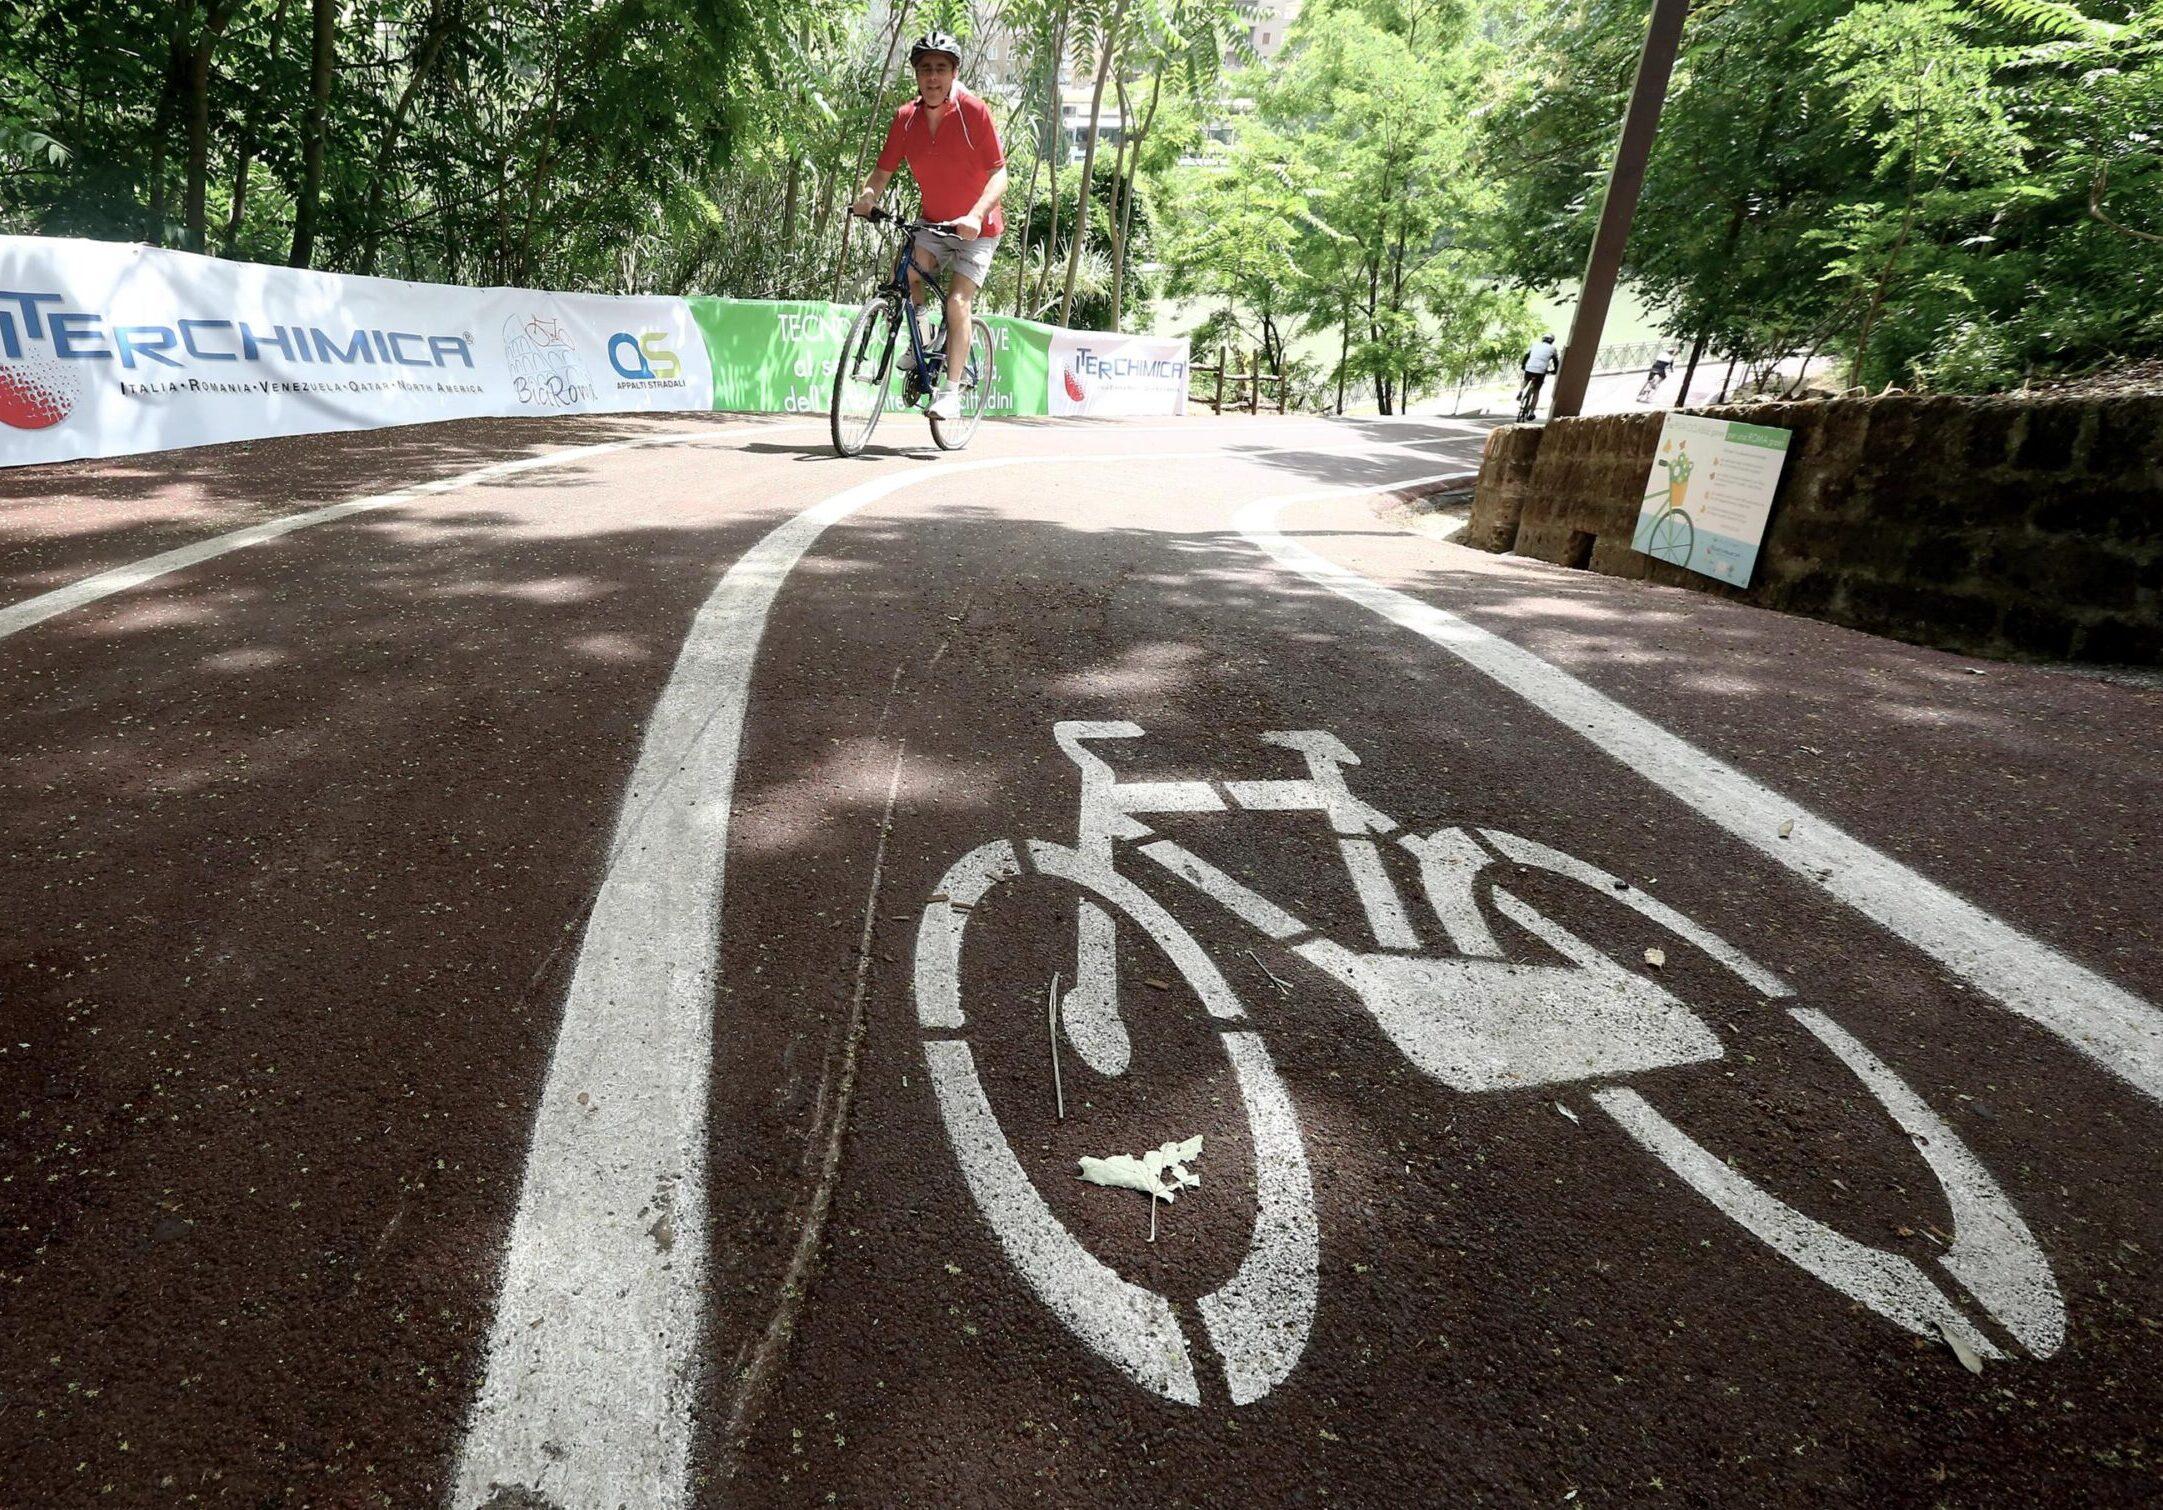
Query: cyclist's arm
<point x="874" y="186"/>
<point x="994" y="191"/>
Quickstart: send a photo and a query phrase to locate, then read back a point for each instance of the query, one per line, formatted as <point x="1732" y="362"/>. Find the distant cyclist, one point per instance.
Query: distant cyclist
<point x="1662" y="365"/>
<point x="1539" y="361"/>
<point x="947" y="138"/>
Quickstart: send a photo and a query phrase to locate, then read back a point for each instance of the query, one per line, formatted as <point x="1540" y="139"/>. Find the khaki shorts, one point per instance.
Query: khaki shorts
<point x="971" y="259"/>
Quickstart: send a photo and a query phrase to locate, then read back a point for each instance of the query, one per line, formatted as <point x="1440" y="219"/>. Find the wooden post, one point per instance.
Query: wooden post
<point x="1663" y="35"/>
<point x="1283" y="378"/>
<point x="1216" y="405"/>
<point x="1254" y="382"/>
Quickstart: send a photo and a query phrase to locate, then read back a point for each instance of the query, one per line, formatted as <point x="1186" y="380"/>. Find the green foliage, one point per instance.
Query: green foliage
<point x="1957" y="194"/>
<point x="1945" y="193"/>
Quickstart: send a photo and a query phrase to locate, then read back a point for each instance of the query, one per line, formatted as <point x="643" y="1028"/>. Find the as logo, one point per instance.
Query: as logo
<point x="36" y="395"/>
<point x="1074" y="388"/>
<point x="643" y="358"/>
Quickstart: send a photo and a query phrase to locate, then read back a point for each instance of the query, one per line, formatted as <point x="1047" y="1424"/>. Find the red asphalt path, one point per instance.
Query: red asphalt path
<point x="301" y="844"/>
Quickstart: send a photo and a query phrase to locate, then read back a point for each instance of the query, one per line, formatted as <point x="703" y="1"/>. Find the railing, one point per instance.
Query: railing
<point x="1622" y="356"/>
<point x="1227" y="371"/>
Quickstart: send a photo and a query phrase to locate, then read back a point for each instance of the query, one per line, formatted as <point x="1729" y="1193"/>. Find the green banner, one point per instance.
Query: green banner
<point x="777" y="357"/>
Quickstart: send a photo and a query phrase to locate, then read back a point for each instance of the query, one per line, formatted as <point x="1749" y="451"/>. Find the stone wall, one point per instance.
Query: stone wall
<point x="2009" y="526"/>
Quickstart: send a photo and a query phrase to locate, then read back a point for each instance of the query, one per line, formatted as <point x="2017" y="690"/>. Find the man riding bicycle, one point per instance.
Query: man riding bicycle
<point x="947" y="138"/>
<point x="1541" y="360"/>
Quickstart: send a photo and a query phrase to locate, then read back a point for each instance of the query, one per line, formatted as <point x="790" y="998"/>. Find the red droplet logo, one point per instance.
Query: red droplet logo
<point x="1074" y="389"/>
<point x="34" y="398"/>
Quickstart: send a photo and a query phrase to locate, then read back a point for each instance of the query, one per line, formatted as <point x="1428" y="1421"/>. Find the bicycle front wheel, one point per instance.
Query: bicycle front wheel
<point x="863" y="375"/>
<point x="973" y="383"/>
<point x="1672" y="538"/>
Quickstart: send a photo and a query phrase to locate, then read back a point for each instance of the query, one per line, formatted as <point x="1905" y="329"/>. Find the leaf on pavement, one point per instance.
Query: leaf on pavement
<point x="1655" y="957"/>
<point x="1161" y="1172"/>
<point x="1968" y="1357"/>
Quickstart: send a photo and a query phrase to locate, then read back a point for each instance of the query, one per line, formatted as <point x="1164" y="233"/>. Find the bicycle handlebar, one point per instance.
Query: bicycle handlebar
<point x="879" y="216"/>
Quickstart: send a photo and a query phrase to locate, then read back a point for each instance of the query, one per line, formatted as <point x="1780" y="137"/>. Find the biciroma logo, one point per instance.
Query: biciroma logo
<point x="36" y="395"/>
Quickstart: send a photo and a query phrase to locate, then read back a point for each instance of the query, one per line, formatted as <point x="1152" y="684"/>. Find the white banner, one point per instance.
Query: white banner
<point x="1105" y="373"/>
<point x="109" y="350"/>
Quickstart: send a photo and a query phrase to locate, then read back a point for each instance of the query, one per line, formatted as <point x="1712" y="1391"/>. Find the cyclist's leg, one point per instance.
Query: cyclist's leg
<point x="970" y="262"/>
<point x="926" y="250"/>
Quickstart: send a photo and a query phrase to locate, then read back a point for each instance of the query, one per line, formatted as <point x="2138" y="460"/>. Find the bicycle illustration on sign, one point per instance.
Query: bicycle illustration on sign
<point x="1665" y="531"/>
<point x="1470" y="1017"/>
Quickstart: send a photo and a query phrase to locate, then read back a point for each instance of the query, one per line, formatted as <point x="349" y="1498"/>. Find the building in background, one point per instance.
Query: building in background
<point x="1267" y="23"/>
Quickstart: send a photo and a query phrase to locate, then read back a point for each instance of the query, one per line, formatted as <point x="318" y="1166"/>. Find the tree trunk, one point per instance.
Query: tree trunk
<point x="198" y="102"/>
<point x="1055" y="139"/>
<point x="154" y="233"/>
<point x="1028" y="210"/>
<point x="1089" y="157"/>
<point x="316" y="127"/>
<point x="1697" y="350"/>
<point x="1126" y="198"/>
<point x="544" y="168"/>
<point x="1344" y="353"/>
<point x="1119" y="179"/>
<point x="237" y="212"/>
<point x="170" y="96"/>
<point x="435" y="32"/>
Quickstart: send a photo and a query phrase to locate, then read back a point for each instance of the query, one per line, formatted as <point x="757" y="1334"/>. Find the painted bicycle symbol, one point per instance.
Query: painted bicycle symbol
<point x="1473" y="1019"/>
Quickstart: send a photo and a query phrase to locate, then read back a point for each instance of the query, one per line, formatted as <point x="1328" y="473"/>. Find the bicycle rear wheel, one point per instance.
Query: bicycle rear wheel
<point x="863" y="375"/>
<point x="1258" y="1322"/>
<point x="973" y="382"/>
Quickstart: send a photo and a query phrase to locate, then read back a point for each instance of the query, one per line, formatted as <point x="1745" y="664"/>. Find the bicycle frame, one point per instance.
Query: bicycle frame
<point x="928" y="363"/>
<point x="1472" y="1050"/>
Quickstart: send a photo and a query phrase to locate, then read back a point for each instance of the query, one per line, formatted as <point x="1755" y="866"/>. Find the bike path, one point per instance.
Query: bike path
<point x="356" y="788"/>
<point x="296" y="840"/>
<point x="300" y="838"/>
<point x="1515" y="1300"/>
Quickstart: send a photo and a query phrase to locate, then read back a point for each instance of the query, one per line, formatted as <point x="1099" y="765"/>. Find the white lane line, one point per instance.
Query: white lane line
<point x="2100" y="1019"/>
<point x="592" y="1361"/>
<point x="16" y="617"/>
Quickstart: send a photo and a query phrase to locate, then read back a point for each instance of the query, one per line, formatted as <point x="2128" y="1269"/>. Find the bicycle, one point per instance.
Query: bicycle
<point x="866" y="368"/>
<point x="1528" y="397"/>
<point x="1474" y="1019"/>
<point x="1669" y="535"/>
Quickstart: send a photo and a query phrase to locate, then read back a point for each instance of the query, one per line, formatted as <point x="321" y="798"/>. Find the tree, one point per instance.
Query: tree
<point x="1108" y="40"/>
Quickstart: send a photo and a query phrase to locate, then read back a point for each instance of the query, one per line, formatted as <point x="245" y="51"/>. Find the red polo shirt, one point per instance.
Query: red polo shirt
<point x="952" y="166"/>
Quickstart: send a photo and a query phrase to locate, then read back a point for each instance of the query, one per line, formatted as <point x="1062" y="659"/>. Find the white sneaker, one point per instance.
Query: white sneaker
<point x="946" y="404"/>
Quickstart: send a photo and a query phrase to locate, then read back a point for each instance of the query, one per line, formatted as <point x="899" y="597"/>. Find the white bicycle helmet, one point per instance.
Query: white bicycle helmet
<point x="935" y="41"/>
